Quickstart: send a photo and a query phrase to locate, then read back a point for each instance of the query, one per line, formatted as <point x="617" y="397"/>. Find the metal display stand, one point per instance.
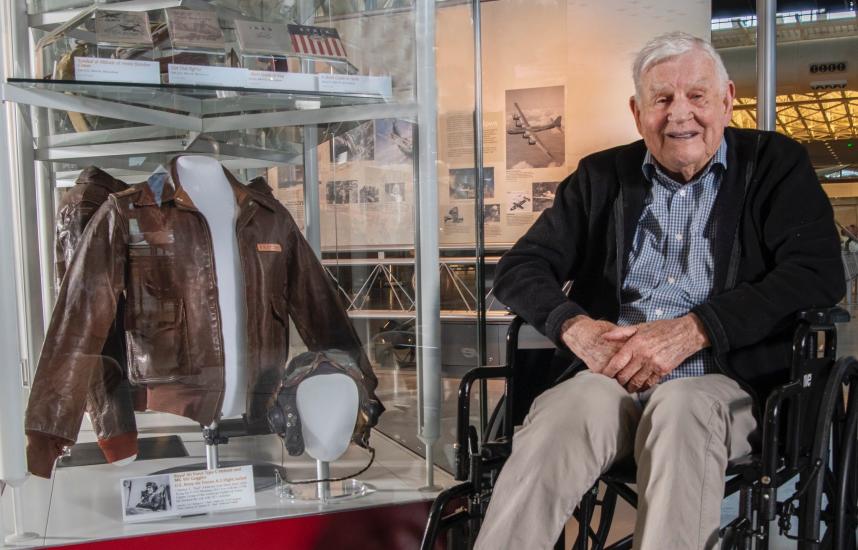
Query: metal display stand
<point x="323" y="491"/>
<point x="265" y="474"/>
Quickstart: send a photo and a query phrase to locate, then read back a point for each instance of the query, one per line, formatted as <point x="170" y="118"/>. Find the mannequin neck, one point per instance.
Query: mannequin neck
<point x="199" y="173"/>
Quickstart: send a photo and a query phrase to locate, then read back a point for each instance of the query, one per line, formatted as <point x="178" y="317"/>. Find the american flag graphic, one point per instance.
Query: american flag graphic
<point x="321" y="41"/>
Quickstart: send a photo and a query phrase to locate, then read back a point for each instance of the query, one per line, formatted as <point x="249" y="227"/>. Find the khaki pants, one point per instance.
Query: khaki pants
<point x="682" y="437"/>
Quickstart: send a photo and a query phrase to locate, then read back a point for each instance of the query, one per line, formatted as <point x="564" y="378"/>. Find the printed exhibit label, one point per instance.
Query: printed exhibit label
<point x="355" y="84"/>
<point x="204" y="75"/>
<point x="117" y="70"/>
<point x="153" y="497"/>
<point x="270" y="80"/>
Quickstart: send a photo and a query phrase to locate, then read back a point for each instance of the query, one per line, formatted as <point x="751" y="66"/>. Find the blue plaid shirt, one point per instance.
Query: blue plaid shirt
<point x="670" y="268"/>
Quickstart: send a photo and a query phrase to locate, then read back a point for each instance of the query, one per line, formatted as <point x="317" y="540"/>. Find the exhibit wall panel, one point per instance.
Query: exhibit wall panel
<point x="561" y="68"/>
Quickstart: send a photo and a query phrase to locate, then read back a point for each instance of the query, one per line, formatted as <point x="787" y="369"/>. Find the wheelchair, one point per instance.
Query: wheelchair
<point x="808" y="432"/>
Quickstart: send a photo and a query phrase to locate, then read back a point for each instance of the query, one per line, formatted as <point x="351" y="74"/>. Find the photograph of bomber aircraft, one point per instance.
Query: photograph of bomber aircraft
<point x="535" y="135"/>
<point x="528" y="132"/>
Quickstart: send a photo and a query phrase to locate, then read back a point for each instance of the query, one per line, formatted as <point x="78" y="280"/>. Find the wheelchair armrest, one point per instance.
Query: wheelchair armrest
<point x="821" y="318"/>
<point x="771" y="424"/>
<point x="463" y="445"/>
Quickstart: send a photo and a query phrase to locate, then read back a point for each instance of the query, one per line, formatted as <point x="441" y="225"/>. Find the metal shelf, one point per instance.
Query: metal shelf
<point x="203" y="109"/>
<point x="492" y="317"/>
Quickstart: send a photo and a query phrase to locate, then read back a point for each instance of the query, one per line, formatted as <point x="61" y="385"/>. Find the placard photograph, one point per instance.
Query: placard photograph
<point x="368" y="193"/>
<point x="543" y="194"/>
<point x="534" y="128"/>
<point x="463" y="183"/>
<point x="342" y="192"/>
<point x="454" y="215"/>
<point x="394" y="141"/>
<point x="149" y="495"/>
<point x="356" y="143"/>
<point x="493" y="213"/>
<point x="518" y="202"/>
<point x="394" y="192"/>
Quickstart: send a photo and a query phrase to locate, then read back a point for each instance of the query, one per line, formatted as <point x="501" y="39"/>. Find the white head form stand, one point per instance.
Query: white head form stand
<point x="328" y="408"/>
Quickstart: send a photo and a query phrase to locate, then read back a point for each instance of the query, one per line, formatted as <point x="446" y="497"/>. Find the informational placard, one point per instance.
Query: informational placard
<point x="355" y="84"/>
<point x="117" y="70"/>
<point x="263" y="38"/>
<point x="205" y="75"/>
<point x="271" y="80"/>
<point x="149" y="498"/>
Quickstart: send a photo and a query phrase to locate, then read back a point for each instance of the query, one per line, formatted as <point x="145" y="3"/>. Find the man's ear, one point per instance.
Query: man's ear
<point x="636" y="112"/>
<point x="729" y="96"/>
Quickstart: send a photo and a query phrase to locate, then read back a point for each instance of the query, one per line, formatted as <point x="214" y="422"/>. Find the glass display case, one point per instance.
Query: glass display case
<point x="323" y="133"/>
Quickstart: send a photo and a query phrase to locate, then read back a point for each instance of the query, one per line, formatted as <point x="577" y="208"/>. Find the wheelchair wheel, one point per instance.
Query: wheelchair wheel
<point x="826" y="488"/>
<point x="846" y="489"/>
<point x="592" y="531"/>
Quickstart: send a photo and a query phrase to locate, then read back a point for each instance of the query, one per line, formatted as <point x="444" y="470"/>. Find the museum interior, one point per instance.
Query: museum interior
<point x="179" y="368"/>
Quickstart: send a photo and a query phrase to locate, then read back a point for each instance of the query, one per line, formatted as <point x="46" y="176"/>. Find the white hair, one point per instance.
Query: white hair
<point x="670" y="45"/>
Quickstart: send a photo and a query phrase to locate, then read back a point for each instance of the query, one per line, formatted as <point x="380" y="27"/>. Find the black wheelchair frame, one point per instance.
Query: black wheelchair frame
<point x="809" y="430"/>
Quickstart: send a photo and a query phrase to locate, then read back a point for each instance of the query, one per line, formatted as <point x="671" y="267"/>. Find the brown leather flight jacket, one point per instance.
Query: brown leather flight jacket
<point x="153" y="245"/>
<point x="110" y="399"/>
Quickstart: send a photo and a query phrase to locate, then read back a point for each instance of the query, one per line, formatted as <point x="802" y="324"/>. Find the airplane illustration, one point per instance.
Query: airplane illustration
<point x="404" y="144"/>
<point x="528" y="132"/>
<point x="135" y="27"/>
<point x="519" y="204"/>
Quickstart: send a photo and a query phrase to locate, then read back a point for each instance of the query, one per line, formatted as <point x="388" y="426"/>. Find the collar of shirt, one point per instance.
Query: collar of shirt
<point x="654" y="173"/>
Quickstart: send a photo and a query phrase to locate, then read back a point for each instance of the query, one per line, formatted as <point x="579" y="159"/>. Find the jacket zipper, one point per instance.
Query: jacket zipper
<point x="213" y="278"/>
<point x="241" y="260"/>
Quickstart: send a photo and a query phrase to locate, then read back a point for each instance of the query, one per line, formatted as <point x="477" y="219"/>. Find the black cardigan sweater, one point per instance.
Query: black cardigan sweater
<point x="776" y="252"/>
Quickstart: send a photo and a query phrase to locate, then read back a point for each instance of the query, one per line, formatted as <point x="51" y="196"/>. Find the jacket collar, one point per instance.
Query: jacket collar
<point x="634" y="187"/>
<point x="93" y="175"/>
<point x="164" y="186"/>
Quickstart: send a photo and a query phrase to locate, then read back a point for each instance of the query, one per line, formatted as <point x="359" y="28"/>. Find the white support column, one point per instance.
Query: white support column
<point x="13" y="467"/>
<point x="426" y="239"/>
<point x="312" y="204"/>
<point x="766" y="63"/>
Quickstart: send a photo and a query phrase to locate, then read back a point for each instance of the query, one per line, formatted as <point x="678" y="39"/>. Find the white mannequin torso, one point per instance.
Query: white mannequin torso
<point x="328" y="408"/>
<point x="206" y="184"/>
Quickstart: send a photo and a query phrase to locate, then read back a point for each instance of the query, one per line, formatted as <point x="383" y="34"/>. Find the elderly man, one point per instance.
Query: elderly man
<point x="689" y="253"/>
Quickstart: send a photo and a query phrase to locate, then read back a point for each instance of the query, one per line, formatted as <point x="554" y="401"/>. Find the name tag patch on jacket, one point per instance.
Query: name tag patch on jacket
<point x="268" y="247"/>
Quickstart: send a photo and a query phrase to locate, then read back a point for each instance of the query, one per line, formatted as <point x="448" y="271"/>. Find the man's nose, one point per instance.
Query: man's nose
<point x="680" y="110"/>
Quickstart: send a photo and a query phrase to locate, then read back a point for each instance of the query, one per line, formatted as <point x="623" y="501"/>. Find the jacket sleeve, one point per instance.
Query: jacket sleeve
<point x="110" y="397"/>
<point x="801" y="245"/>
<point x="71" y="356"/>
<point x="531" y="275"/>
<point x="317" y="310"/>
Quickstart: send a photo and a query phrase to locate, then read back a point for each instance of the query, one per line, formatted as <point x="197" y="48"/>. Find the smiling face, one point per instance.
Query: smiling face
<point x="682" y="111"/>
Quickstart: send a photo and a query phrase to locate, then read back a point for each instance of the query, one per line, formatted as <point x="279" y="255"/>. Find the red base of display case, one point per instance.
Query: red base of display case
<point x="383" y="528"/>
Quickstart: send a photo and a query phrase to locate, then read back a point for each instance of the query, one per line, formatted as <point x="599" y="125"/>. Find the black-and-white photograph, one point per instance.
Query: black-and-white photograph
<point x="453" y="215"/>
<point x="355" y="143"/>
<point x="394" y="141"/>
<point x="341" y="192"/>
<point x="368" y="193"/>
<point x="534" y="128"/>
<point x="463" y="183"/>
<point x="518" y="202"/>
<point x="147" y="495"/>
<point x="493" y="212"/>
<point x="543" y="194"/>
<point x="394" y="192"/>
